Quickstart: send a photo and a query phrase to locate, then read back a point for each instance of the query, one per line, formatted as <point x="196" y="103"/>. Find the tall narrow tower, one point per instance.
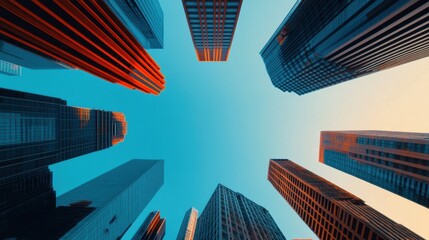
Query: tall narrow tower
<point x="230" y="215"/>
<point x="37" y="131"/>
<point x="330" y="211"/>
<point x="395" y="161"/>
<point x="101" y="209"/>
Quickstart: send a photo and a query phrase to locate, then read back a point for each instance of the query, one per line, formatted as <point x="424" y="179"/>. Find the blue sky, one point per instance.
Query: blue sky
<point x="222" y="122"/>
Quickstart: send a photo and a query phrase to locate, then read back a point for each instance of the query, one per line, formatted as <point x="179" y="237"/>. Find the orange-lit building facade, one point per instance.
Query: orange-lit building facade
<point x="153" y="228"/>
<point x="395" y="161"/>
<point x="330" y="211"/>
<point x="82" y="34"/>
<point x="212" y="24"/>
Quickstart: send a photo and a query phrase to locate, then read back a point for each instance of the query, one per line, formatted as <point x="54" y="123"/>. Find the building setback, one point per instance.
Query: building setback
<point x="10" y="69"/>
<point x="330" y="211"/>
<point x="212" y="24"/>
<point x="143" y="18"/>
<point x="230" y="215"/>
<point x="37" y="131"/>
<point x="103" y="208"/>
<point x="153" y="228"/>
<point x="82" y="34"/>
<point x="323" y="43"/>
<point x="189" y="225"/>
<point x="395" y="161"/>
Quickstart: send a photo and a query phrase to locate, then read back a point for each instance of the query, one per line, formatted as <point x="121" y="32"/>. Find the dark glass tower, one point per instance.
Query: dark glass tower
<point x="330" y="211"/>
<point x="230" y="215"/>
<point x="189" y="225"/>
<point x="37" y="131"/>
<point x="323" y="43"/>
<point x="212" y="24"/>
<point x="395" y="161"/>
<point x="143" y="18"/>
<point x="102" y="208"/>
<point x="82" y="34"/>
<point x="153" y="228"/>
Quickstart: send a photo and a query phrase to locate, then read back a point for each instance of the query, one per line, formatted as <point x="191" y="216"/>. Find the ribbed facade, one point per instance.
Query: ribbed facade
<point x="153" y="228"/>
<point x="37" y="131"/>
<point x="10" y="69"/>
<point x="395" y="161"/>
<point x="143" y="18"/>
<point x="212" y="24"/>
<point x="330" y="211"/>
<point x="82" y="34"/>
<point x="189" y="225"/>
<point x="323" y="43"/>
<point x="230" y="215"/>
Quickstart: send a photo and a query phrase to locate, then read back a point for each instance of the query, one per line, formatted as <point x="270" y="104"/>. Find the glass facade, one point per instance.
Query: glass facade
<point x="144" y="18"/>
<point x="395" y="161"/>
<point x="323" y="43"/>
<point x="36" y="131"/>
<point x="118" y="196"/>
<point x="330" y="211"/>
<point x="230" y="215"/>
<point x="189" y="224"/>
<point x="212" y="24"/>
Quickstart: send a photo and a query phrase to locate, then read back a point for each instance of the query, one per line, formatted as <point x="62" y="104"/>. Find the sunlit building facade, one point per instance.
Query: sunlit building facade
<point x="212" y="24"/>
<point x="81" y="34"/>
<point x="395" y="161"/>
<point x="189" y="225"/>
<point x="37" y="131"/>
<point x="323" y="43"/>
<point x="143" y="18"/>
<point x="153" y="228"/>
<point x="100" y="209"/>
<point x="230" y="215"/>
<point x="330" y="211"/>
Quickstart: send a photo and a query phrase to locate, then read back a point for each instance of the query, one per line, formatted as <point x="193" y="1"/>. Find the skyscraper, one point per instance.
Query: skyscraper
<point x="37" y="131"/>
<point x="102" y="208"/>
<point x="189" y="225"/>
<point x="230" y="215"/>
<point x="82" y="34"/>
<point x="395" y="161"/>
<point x="212" y="24"/>
<point x="323" y="43"/>
<point x="153" y="228"/>
<point x="330" y="211"/>
<point x="143" y="18"/>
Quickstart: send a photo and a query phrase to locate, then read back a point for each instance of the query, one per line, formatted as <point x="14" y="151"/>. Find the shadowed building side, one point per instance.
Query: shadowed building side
<point x="395" y="161"/>
<point x="230" y="215"/>
<point x="328" y="210"/>
<point x="323" y="43"/>
<point x="37" y="131"/>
